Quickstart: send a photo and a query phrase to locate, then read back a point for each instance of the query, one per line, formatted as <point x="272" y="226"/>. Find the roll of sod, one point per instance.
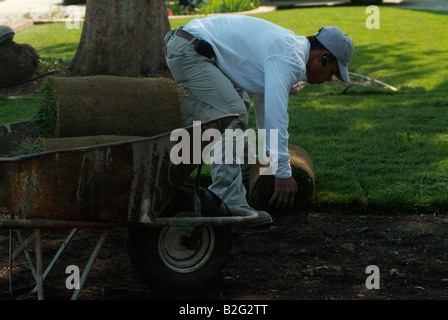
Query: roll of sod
<point x="113" y="105"/>
<point x="261" y="187"/>
<point x="81" y="142"/>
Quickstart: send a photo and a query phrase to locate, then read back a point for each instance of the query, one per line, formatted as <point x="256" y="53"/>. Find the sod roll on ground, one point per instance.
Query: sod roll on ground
<point x="261" y="187"/>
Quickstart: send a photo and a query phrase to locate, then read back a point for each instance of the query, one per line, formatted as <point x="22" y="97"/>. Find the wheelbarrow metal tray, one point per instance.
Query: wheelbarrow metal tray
<point x="13" y="134"/>
<point x="129" y="181"/>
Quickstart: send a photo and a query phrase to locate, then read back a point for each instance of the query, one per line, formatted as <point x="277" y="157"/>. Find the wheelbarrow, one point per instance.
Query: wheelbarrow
<point x="180" y="235"/>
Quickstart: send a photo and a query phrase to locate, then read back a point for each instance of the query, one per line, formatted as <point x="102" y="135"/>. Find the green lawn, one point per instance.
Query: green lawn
<point x="55" y="44"/>
<point x="386" y="149"/>
<point x="16" y="109"/>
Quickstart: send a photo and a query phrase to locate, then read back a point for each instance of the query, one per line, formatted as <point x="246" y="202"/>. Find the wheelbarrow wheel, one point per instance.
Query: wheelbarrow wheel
<point x="186" y="258"/>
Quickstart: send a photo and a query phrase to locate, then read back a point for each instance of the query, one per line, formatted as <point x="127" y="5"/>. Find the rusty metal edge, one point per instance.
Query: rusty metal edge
<point x="159" y="222"/>
<point x="99" y="146"/>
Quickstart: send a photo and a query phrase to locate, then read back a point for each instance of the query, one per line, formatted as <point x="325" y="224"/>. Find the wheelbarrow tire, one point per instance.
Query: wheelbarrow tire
<point x="194" y="264"/>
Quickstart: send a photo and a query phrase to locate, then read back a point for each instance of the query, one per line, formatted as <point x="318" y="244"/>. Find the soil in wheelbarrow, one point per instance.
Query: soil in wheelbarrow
<point x="304" y="255"/>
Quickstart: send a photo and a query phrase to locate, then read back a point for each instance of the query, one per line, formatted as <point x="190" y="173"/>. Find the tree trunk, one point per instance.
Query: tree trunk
<point x="123" y="38"/>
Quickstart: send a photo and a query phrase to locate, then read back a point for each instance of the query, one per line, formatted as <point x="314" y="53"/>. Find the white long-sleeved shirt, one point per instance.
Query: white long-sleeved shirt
<point x="263" y="59"/>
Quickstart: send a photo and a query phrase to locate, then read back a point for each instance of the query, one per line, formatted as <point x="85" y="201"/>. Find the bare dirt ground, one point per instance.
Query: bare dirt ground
<point x="302" y="256"/>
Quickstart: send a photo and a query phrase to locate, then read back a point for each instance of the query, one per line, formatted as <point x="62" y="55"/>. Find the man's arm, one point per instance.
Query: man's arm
<point x="278" y="82"/>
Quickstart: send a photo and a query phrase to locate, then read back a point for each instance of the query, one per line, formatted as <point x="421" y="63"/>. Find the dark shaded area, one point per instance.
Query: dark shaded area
<point x="302" y="256"/>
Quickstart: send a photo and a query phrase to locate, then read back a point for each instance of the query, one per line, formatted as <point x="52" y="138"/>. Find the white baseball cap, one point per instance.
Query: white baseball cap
<point x="339" y="45"/>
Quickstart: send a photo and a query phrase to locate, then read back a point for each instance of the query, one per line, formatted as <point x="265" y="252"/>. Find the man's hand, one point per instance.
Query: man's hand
<point x="284" y="193"/>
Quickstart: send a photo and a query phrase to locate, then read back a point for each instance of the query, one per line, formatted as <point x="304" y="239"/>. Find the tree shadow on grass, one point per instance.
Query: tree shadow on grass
<point x="396" y="61"/>
<point x="58" y="50"/>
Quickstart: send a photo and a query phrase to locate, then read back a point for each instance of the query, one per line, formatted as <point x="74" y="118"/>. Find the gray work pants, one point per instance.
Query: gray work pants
<point x="220" y="96"/>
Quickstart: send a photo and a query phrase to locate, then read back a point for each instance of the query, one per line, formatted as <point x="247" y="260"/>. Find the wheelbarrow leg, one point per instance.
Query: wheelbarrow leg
<point x="57" y="255"/>
<point x="39" y="279"/>
<point x="36" y="272"/>
<point x="10" y="263"/>
<point x="90" y="263"/>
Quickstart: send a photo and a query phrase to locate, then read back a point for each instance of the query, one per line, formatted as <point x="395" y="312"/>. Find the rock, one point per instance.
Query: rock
<point x="18" y="62"/>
